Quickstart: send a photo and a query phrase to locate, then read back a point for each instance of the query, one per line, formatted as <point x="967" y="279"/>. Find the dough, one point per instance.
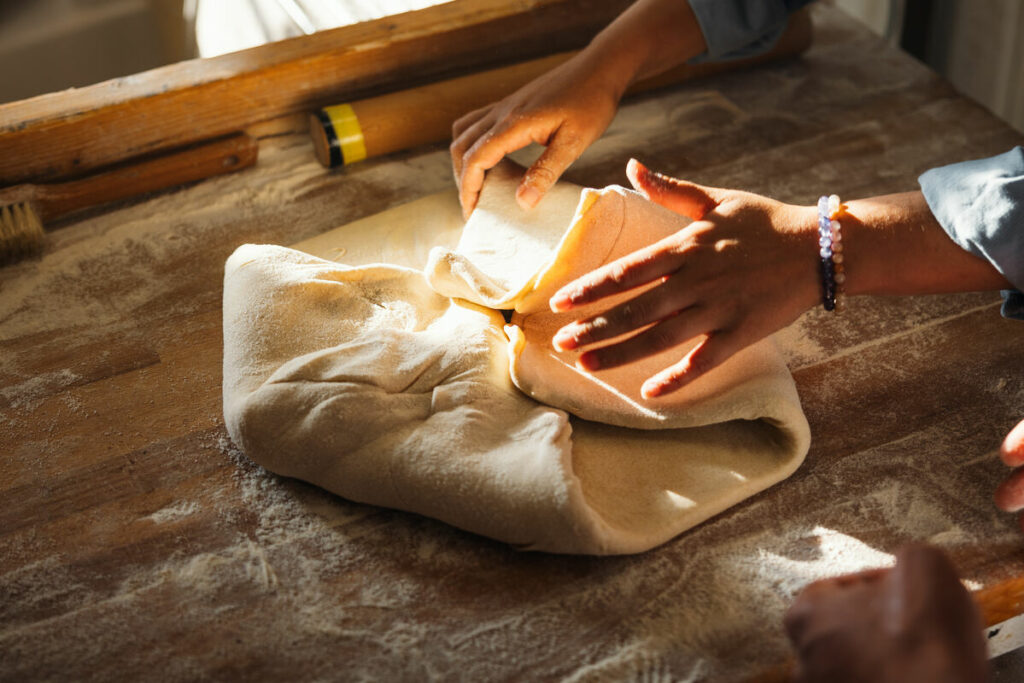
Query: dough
<point x="502" y="246"/>
<point x="365" y="382"/>
<point x="361" y="379"/>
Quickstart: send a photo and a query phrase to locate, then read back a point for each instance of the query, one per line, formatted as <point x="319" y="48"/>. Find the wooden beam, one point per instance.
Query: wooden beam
<point x="66" y="134"/>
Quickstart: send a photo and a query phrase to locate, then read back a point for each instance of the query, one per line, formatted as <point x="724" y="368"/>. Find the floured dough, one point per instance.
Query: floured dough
<point x="365" y="382"/>
<point x="361" y="379"/>
<point x="500" y="248"/>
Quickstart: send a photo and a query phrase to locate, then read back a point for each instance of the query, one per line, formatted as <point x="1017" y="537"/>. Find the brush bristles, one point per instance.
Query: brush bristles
<point x="21" y="232"/>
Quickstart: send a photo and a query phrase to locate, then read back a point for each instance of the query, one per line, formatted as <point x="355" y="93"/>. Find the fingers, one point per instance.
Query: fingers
<point x="1009" y="496"/>
<point x="464" y="122"/>
<point x="1012" y="450"/>
<point x="562" y="149"/>
<point x="651" y="306"/>
<point x="461" y="141"/>
<point x="714" y="350"/>
<point x="924" y="584"/>
<point x="689" y="199"/>
<point x="480" y="147"/>
<point x="814" y="594"/>
<point x="665" y="335"/>
<point x="642" y="266"/>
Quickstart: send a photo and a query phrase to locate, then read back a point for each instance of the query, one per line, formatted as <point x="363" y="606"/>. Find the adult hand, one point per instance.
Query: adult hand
<point x="915" y="622"/>
<point x="566" y="110"/>
<point x="1010" y="494"/>
<point x="746" y="267"/>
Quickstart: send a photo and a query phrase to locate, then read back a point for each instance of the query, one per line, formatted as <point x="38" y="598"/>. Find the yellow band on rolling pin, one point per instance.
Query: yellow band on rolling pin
<point x="348" y="135"/>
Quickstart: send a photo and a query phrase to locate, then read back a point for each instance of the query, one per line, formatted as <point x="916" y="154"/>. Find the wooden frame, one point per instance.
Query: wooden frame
<point x="67" y="134"/>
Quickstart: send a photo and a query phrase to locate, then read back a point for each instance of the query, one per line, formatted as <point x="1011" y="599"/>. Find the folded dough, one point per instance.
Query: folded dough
<point x="502" y="246"/>
<point x="364" y="381"/>
<point x="367" y="383"/>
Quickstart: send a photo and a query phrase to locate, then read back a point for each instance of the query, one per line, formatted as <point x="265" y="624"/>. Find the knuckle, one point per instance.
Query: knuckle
<point x="541" y="175"/>
<point x="700" y="364"/>
<point x="634" y="313"/>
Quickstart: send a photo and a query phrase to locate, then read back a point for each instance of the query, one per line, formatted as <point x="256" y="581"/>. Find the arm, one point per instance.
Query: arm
<point x="571" y="106"/>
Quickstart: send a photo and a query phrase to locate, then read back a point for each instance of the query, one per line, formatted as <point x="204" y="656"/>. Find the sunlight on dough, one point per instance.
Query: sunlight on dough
<point x="610" y="389"/>
<point x="681" y="502"/>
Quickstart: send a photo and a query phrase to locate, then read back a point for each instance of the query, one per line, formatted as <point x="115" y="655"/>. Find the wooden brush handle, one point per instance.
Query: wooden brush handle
<point x="159" y="173"/>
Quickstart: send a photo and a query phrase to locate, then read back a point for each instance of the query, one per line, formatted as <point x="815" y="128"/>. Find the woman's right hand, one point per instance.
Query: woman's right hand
<point x="566" y="109"/>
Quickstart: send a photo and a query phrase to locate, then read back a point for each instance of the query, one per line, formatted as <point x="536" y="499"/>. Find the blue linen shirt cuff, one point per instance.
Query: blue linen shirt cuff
<point x="980" y="205"/>
<point x="734" y="29"/>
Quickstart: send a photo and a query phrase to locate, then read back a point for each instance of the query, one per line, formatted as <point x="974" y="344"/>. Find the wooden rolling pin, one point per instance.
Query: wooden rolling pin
<point x="346" y="133"/>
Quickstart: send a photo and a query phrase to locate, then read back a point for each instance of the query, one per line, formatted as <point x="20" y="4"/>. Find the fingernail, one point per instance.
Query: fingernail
<point x="564" y="340"/>
<point x="561" y="301"/>
<point x="527" y="196"/>
<point x="589" y="362"/>
<point x="637" y="174"/>
<point x="650" y="390"/>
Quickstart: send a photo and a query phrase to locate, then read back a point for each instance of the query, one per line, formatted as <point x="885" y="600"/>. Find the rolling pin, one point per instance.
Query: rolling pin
<point x="350" y="132"/>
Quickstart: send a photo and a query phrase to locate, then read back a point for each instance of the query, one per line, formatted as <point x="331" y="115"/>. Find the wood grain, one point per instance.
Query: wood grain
<point x="137" y="543"/>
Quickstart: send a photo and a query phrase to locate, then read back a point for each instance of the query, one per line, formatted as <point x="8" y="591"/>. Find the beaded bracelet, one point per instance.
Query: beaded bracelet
<point x="830" y="241"/>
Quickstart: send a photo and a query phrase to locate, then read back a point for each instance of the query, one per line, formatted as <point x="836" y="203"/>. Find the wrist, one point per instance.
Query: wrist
<point x="648" y="38"/>
<point x="802" y="229"/>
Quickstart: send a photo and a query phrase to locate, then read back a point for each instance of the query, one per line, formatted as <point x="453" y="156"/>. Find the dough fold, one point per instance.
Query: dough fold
<point x="365" y="381"/>
<point x="502" y="247"/>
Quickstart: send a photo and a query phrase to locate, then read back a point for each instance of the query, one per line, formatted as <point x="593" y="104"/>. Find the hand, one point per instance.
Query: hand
<point x="746" y="267"/>
<point x="1010" y="494"/>
<point x="566" y="110"/>
<point x="915" y="622"/>
<point x="569" y="107"/>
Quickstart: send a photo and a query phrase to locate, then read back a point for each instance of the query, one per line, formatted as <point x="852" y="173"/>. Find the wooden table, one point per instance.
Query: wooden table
<point x="137" y="542"/>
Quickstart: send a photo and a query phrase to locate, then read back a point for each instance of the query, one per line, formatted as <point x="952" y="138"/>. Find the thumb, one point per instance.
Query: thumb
<point x="561" y="151"/>
<point x="689" y="199"/>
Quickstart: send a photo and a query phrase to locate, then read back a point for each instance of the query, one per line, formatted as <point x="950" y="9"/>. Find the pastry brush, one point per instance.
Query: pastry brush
<point x="25" y="208"/>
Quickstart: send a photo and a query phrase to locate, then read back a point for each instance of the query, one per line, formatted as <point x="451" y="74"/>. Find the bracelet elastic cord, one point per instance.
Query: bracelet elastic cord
<point x="830" y="243"/>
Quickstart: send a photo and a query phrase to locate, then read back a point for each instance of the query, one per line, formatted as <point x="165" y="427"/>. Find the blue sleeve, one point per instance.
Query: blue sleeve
<point x="741" y="28"/>
<point x="980" y="204"/>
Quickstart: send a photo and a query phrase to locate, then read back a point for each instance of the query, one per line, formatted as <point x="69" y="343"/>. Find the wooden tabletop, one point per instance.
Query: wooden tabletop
<point x="137" y="543"/>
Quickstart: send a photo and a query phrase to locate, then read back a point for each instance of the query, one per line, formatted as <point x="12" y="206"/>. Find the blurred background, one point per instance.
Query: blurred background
<point x="49" y="45"/>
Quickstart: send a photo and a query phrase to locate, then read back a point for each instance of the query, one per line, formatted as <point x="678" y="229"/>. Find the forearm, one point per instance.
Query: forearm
<point x="894" y="245"/>
<point x="648" y="38"/>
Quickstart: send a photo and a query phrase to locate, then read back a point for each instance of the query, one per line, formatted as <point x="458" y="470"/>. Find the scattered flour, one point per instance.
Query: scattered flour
<point x="174" y="512"/>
